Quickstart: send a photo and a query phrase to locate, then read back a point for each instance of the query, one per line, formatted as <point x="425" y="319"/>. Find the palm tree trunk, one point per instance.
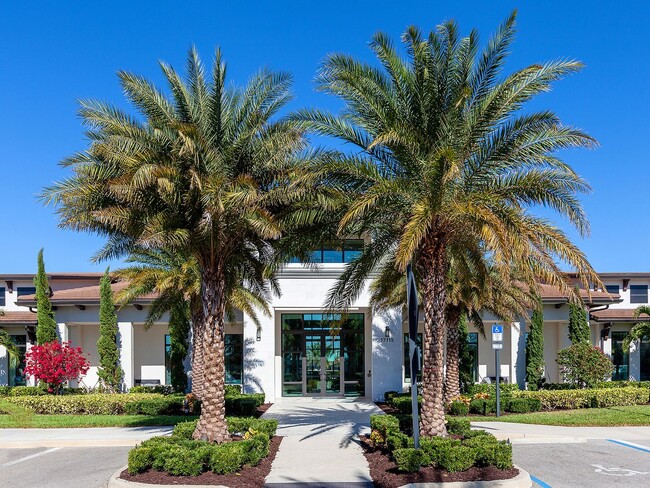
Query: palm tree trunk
<point x="433" y="267"/>
<point x="452" y="369"/>
<point x="197" y="347"/>
<point x="212" y="425"/>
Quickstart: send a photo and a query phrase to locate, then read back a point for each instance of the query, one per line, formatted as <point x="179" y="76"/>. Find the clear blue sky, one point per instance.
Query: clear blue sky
<point x="53" y="53"/>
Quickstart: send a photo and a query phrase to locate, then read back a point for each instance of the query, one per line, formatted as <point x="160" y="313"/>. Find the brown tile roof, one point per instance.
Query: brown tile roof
<point x="12" y="317"/>
<point x="82" y="295"/>
<point x="617" y="315"/>
<point x="551" y="294"/>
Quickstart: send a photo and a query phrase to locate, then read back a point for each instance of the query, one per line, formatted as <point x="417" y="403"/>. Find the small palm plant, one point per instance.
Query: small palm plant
<point x="641" y="329"/>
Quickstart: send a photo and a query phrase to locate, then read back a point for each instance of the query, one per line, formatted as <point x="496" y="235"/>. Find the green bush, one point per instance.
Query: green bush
<point x="232" y="390"/>
<point x="184" y="430"/>
<point x="16" y="391"/>
<point x="492" y="453"/>
<point x="398" y="440"/>
<point x="458" y="426"/>
<point x="458" y="408"/>
<point x="4" y="390"/>
<point x="409" y="459"/>
<point x="389" y="395"/>
<point x="228" y="458"/>
<point x="583" y="365"/>
<point x="523" y="405"/>
<point x="622" y="384"/>
<point x="155" y="406"/>
<point x="403" y="403"/>
<point x="140" y="459"/>
<point x="242" y="425"/>
<point x="89" y="404"/>
<point x="436" y="447"/>
<point x="384" y="424"/>
<point x="161" y="389"/>
<point x="185" y="462"/>
<point x="458" y="458"/>
<point x="505" y="389"/>
<point x="587" y="398"/>
<point x="244" y="405"/>
<point x="477" y="433"/>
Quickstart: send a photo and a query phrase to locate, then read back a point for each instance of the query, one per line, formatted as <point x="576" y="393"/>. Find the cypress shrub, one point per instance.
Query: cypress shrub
<point x="109" y="371"/>
<point x="179" y="327"/>
<point x="579" y="332"/>
<point x="535" y="349"/>
<point x="46" y="325"/>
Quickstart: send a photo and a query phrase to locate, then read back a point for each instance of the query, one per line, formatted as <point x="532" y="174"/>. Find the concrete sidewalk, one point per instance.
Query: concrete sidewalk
<point x="87" y="437"/>
<point x="320" y="441"/>
<point x="540" y="434"/>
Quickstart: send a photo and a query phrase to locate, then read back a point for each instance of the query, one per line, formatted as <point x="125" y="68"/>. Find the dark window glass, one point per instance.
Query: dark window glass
<point x="26" y="290"/>
<point x="168" y="360"/>
<point x="17" y="366"/>
<point x="407" y="357"/>
<point x="351" y="249"/>
<point x="3" y="301"/>
<point x="291" y="322"/>
<point x="316" y="256"/>
<point x="332" y="253"/>
<point x="644" y="349"/>
<point x="620" y="357"/>
<point x="613" y="289"/>
<point x="234" y="358"/>
<point x="472" y="348"/>
<point x="638" y="293"/>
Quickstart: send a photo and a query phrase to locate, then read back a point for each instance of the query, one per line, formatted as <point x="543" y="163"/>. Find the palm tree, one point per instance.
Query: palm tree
<point x="641" y="329"/>
<point x="444" y="161"/>
<point x="200" y="171"/>
<point x="176" y="278"/>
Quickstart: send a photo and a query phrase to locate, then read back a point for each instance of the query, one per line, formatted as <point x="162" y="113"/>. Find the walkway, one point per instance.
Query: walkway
<point x="86" y="437"/>
<point x="320" y="444"/>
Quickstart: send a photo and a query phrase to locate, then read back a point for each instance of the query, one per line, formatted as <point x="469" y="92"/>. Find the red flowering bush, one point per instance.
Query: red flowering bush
<point x="54" y="362"/>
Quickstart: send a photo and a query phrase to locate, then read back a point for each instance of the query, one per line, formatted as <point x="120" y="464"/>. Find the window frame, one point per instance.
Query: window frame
<point x="20" y="291"/>
<point x="639" y="297"/>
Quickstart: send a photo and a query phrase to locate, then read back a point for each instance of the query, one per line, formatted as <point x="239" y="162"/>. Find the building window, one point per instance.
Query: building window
<point x="644" y="350"/>
<point x="17" y="366"/>
<point x="612" y="289"/>
<point x="234" y="359"/>
<point x="472" y="349"/>
<point x="26" y="290"/>
<point x="343" y="251"/>
<point x="168" y="359"/>
<point x="620" y="357"/>
<point x="3" y="301"/>
<point x="407" y="357"/>
<point x="638" y="293"/>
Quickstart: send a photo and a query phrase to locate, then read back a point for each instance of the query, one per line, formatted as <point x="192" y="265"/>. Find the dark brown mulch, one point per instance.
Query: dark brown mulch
<point x="261" y="409"/>
<point x="248" y="477"/>
<point x="386" y="408"/>
<point x="384" y="474"/>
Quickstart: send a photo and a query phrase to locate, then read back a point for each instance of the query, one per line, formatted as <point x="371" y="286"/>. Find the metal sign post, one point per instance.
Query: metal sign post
<point x="414" y="353"/>
<point x="497" y="345"/>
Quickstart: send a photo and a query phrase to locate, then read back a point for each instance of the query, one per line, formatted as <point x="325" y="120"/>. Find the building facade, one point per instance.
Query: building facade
<point x="301" y="350"/>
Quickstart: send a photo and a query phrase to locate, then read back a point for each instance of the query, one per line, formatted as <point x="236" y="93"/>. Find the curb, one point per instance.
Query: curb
<point x="522" y="480"/>
<point x="116" y="482"/>
<point x="72" y="443"/>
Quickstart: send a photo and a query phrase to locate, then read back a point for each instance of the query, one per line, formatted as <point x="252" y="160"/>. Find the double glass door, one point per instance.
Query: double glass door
<point x="322" y="355"/>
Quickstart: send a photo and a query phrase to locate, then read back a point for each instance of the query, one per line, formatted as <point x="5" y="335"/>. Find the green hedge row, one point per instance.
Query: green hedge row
<point x="504" y="389"/>
<point x="602" y="384"/>
<point x="36" y="391"/>
<point x="587" y="398"/>
<point x="162" y="389"/>
<point x="243" y="404"/>
<point x="180" y="455"/>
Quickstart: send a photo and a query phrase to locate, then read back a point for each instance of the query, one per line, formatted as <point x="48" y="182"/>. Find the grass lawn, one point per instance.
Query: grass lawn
<point x="18" y="417"/>
<point x="586" y="417"/>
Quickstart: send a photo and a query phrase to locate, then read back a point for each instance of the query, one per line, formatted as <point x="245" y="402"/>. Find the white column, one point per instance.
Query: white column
<point x="635" y="361"/>
<point x="63" y="331"/>
<point x="517" y="353"/>
<point x="127" y="352"/>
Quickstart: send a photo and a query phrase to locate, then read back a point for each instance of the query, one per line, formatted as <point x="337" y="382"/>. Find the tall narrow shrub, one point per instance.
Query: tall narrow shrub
<point x="464" y="355"/>
<point x="109" y="372"/>
<point x="46" y="325"/>
<point x="579" y="332"/>
<point x="535" y="349"/>
<point x="179" y="327"/>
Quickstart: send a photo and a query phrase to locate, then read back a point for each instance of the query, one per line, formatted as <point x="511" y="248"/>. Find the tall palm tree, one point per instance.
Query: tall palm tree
<point x="641" y="329"/>
<point x="200" y="170"/>
<point x="176" y="278"/>
<point x="444" y="160"/>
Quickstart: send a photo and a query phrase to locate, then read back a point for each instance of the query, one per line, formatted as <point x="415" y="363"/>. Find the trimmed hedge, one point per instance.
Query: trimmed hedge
<point x="403" y="402"/>
<point x="22" y="391"/>
<point x="505" y="389"/>
<point x="409" y="459"/>
<point x="458" y="408"/>
<point x="244" y="405"/>
<point x="156" y="406"/>
<point x="587" y="398"/>
<point x="89" y="404"/>
<point x="161" y="389"/>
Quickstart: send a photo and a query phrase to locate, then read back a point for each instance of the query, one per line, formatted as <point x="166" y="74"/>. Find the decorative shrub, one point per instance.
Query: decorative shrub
<point x="110" y="372"/>
<point x="160" y="389"/>
<point x="437" y="447"/>
<point x="238" y="425"/>
<point x="244" y="405"/>
<point x="488" y="453"/>
<point x="459" y="408"/>
<point x="535" y="349"/>
<point x="155" y="406"/>
<point x="184" y="430"/>
<point x="458" y="458"/>
<point x="54" y="363"/>
<point x="505" y="389"/>
<point x="572" y="399"/>
<point x="583" y="365"/>
<point x="389" y="395"/>
<point x="409" y="459"/>
<point x="232" y="390"/>
<point x="384" y="424"/>
<point x="22" y="391"/>
<point x="523" y="405"/>
<point x="91" y="403"/>
<point x="458" y="426"/>
<point x="403" y="403"/>
<point x="398" y="440"/>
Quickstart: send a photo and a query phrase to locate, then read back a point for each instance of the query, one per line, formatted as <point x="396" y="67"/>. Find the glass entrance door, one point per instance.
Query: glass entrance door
<point x="322" y="355"/>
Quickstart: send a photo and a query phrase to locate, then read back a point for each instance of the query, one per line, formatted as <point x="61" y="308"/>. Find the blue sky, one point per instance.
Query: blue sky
<point x="53" y="53"/>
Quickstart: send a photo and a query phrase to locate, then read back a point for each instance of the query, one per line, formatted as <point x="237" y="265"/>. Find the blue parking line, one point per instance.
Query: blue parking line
<point x="638" y="448"/>
<point x="539" y="482"/>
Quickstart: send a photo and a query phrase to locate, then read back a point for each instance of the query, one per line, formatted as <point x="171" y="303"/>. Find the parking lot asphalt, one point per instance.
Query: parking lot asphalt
<point x="593" y="463"/>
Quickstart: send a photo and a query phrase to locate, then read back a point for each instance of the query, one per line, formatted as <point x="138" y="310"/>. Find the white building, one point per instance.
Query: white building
<point x="296" y="352"/>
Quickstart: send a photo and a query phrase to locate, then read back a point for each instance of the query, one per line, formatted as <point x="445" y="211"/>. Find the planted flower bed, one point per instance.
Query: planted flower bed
<point x="465" y="455"/>
<point x="181" y="459"/>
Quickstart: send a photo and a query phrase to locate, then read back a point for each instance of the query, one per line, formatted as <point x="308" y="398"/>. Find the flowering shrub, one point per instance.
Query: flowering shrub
<point x="54" y="363"/>
<point x="583" y="365"/>
<point x="461" y="399"/>
<point x="481" y="396"/>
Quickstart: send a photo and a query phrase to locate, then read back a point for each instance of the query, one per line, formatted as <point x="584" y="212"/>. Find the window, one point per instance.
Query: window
<point x="26" y="290"/>
<point x="234" y="359"/>
<point x="17" y="366"/>
<point x="472" y="349"/>
<point x="407" y="357"/>
<point x="620" y="357"/>
<point x="612" y="289"/>
<point x="344" y="251"/>
<point x="2" y="297"/>
<point x="168" y="359"/>
<point x="638" y="293"/>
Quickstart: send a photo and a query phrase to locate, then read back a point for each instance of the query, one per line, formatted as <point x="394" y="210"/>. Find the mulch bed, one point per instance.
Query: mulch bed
<point x="384" y="473"/>
<point x="261" y="409"/>
<point x="248" y="477"/>
<point x="386" y="408"/>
